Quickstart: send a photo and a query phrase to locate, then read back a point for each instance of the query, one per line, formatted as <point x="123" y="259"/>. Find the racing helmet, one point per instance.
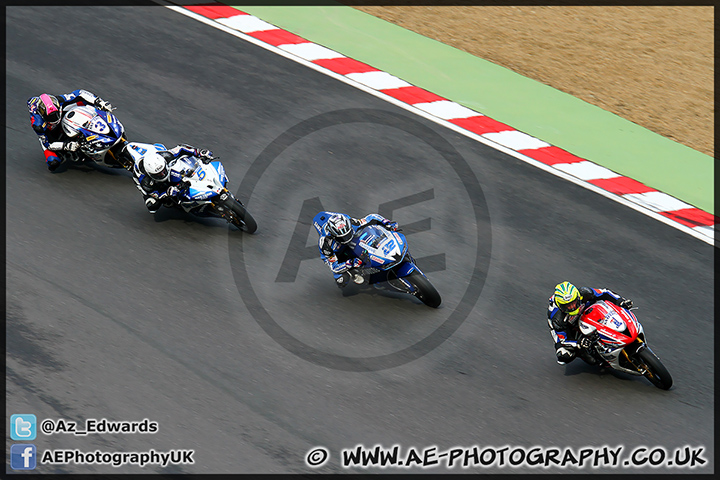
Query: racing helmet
<point x="568" y="299"/>
<point x="49" y="109"/>
<point x="156" y="167"/>
<point x="338" y="225"/>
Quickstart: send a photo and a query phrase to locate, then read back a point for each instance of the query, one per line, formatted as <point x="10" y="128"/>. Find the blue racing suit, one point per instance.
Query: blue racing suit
<point x="51" y="137"/>
<point x="156" y="193"/>
<point x="338" y="257"/>
<point x="564" y="328"/>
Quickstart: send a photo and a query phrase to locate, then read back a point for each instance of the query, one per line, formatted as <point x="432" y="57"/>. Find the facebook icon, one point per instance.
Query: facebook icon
<point x="22" y="457"/>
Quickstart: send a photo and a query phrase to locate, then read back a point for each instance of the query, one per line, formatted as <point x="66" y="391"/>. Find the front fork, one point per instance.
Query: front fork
<point x="221" y="204"/>
<point x="396" y="278"/>
<point x="640" y="367"/>
<point x="122" y="158"/>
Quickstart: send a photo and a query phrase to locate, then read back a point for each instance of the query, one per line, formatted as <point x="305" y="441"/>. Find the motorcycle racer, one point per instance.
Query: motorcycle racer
<point x="155" y="176"/>
<point x="564" y="309"/>
<point x="46" y="112"/>
<point x="338" y="230"/>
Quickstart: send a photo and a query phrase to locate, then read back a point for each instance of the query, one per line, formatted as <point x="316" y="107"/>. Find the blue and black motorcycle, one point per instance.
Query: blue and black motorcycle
<point x="385" y="258"/>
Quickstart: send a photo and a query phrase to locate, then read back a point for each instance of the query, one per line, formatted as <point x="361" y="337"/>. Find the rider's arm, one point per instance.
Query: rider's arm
<point x="182" y="150"/>
<point x="84" y="97"/>
<point x="374" y="219"/>
<point x="561" y="332"/>
<point x="327" y="254"/>
<point x="45" y="143"/>
<point x="77" y="96"/>
<point x="596" y="294"/>
<point x="146" y="185"/>
<point x="370" y="219"/>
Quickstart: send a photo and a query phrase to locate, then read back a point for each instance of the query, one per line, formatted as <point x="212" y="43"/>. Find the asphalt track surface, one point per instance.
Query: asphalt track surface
<point x="249" y="355"/>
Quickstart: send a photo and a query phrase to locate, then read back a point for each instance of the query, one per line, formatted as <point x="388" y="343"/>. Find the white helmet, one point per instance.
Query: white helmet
<point x="156" y="167"/>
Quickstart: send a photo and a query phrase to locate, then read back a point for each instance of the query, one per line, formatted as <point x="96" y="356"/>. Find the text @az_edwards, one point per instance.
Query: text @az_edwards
<point x="95" y="426"/>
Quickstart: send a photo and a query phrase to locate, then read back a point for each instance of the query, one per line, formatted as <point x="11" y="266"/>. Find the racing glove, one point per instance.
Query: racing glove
<point x="589" y="340"/>
<point x="353" y="263"/>
<point x="173" y="191"/>
<point x="206" y="156"/>
<point x="342" y="267"/>
<point x="626" y="303"/>
<point x="392" y="226"/>
<point x="103" y="105"/>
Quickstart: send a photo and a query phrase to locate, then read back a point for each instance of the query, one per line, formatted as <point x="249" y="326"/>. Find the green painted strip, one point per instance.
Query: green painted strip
<point x="527" y="105"/>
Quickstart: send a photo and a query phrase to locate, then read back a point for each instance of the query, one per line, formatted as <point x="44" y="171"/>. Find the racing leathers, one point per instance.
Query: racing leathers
<point x="157" y="193"/>
<point x="340" y="257"/>
<point x="52" y="137"/>
<point x="564" y="328"/>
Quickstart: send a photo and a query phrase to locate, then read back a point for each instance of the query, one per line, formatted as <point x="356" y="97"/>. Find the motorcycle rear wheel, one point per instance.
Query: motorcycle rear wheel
<point x="242" y="218"/>
<point x="424" y="289"/>
<point x="656" y="371"/>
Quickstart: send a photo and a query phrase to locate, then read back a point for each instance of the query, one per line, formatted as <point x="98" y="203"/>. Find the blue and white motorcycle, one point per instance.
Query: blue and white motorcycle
<point x="385" y="258"/>
<point x="204" y="187"/>
<point x="100" y="136"/>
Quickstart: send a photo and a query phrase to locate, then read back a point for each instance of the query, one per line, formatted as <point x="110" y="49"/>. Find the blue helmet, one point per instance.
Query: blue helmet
<point x="338" y="225"/>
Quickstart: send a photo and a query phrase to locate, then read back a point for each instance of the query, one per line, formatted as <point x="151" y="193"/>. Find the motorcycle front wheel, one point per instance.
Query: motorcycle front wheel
<point x="655" y="370"/>
<point x="424" y="290"/>
<point x="241" y="218"/>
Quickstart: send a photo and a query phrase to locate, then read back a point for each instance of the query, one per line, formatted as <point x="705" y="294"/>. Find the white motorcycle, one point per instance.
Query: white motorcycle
<point x="204" y="187"/>
<point x="100" y="136"/>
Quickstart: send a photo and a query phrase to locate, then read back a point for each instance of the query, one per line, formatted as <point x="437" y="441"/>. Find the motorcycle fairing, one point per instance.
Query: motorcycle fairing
<point x="615" y="325"/>
<point x="101" y="130"/>
<point x="375" y="244"/>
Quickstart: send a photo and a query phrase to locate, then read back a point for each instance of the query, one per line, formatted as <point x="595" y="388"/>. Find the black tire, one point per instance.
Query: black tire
<point x="425" y="290"/>
<point x="657" y="373"/>
<point x="242" y="218"/>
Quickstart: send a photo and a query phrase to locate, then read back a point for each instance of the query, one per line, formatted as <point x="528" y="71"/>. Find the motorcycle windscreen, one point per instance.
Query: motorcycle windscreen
<point x="383" y="248"/>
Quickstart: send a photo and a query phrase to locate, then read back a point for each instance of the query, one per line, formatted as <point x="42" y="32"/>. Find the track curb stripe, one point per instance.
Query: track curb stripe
<point x="646" y="199"/>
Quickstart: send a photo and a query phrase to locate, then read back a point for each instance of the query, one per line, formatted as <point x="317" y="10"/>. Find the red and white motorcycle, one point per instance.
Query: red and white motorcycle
<point x="621" y="343"/>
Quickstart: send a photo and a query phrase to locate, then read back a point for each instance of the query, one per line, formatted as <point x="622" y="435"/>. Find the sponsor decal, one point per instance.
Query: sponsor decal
<point x="377" y="259"/>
